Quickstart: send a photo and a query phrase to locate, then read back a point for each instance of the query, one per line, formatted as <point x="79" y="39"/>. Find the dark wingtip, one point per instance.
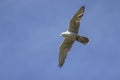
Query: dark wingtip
<point x="60" y="65"/>
<point x="83" y="6"/>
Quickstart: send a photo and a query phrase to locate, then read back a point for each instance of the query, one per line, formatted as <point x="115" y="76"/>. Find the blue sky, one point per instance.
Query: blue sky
<point x="29" y="40"/>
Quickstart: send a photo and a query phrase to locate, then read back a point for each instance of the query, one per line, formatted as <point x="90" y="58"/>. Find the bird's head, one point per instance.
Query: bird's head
<point x="63" y="34"/>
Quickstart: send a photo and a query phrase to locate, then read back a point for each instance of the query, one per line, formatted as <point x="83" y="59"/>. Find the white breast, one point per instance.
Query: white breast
<point x="68" y="34"/>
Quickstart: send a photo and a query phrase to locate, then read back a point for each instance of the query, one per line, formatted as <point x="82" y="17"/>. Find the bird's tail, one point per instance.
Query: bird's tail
<point x="82" y="39"/>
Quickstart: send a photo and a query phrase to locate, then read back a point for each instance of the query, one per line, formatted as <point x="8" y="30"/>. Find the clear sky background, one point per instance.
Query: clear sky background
<point x="29" y="40"/>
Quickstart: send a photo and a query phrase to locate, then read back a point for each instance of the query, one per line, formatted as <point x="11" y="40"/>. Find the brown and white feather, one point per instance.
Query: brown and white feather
<point x="67" y="43"/>
<point x="64" y="48"/>
<point x="75" y="21"/>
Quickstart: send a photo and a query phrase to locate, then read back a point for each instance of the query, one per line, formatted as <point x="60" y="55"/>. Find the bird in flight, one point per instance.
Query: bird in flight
<point x="71" y="35"/>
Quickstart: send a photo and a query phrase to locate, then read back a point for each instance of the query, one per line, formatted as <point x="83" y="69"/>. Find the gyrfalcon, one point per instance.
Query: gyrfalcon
<point x="71" y="35"/>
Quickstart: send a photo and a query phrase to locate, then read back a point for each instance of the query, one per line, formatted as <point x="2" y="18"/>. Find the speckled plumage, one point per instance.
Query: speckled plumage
<point x="71" y="35"/>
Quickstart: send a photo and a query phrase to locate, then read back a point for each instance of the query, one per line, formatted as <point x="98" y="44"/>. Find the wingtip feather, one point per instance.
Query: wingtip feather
<point x="83" y="6"/>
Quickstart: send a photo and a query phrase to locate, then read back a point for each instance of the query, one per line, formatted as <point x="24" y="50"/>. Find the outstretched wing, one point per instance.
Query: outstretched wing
<point x="75" y="21"/>
<point x="64" y="48"/>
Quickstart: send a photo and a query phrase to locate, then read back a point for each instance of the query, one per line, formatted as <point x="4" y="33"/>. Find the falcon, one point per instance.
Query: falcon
<point x="71" y="35"/>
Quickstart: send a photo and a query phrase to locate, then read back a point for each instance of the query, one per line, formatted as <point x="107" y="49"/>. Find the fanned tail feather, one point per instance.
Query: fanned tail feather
<point x="82" y="39"/>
